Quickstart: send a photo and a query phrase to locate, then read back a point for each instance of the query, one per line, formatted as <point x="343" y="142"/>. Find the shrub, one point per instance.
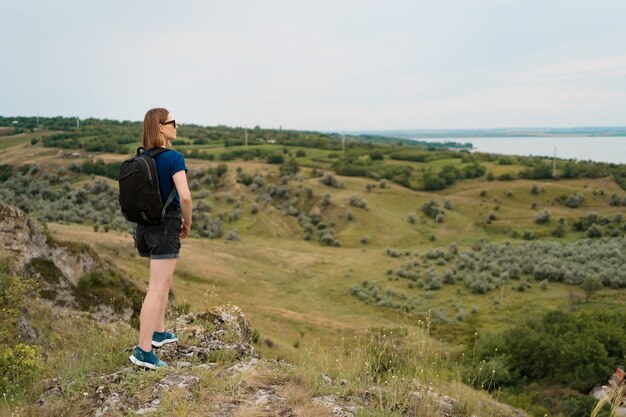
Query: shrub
<point x="534" y="189"/>
<point x="393" y="253"/>
<point x="559" y="231"/>
<point x="431" y="209"/>
<point x="594" y="231"/>
<point x="412" y="218"/>
<point x="572" y="200"/>
<point x="19" y="367"/>
<point x="357" y="202"/>
<point x="275" y="158"/>
<point x="615" y="200"/>
<point x="542" y="217"/>
<point x="221" y="169"/>
<point x="331" y="181"/>
<point x="232" y="235"/>
<point x="447" y="204"/>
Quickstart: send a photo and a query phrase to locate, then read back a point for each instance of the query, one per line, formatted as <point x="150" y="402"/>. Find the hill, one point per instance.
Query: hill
<point x="317" y="245"/>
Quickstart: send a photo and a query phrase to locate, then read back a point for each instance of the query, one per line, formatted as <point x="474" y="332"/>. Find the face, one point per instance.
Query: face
<point x="168" y="130"/>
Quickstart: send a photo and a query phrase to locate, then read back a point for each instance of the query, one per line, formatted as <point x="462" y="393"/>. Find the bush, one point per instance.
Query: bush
<point x="542" y="217"/>
<point x="221" y="170"/>
<point x="358" y="202"/>
<point x="275" y="158"/>
<point x="19" y="367"/>
<point x="232" y="235"/>
<point x="432" y="210"/>
<point x="578" y="350"/>
<point x="594" y="231"/>
<point x="572" y="200"/>
<point x="331" y="181"/>
<point x="534" y="189"/>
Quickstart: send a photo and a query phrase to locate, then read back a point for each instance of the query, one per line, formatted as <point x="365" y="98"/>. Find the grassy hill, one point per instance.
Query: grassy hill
<point x="298" y="247"/>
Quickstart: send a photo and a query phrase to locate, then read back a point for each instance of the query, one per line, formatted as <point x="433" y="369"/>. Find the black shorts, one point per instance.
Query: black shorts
<point x="160" y="241"/>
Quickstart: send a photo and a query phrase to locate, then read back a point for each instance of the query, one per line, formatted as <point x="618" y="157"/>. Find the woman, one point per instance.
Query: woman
<point x="161" y="242"/>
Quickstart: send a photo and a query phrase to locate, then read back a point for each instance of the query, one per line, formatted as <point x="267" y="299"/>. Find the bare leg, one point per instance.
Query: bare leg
<point x="161" y="272"/>
<point x="161" y="323"/>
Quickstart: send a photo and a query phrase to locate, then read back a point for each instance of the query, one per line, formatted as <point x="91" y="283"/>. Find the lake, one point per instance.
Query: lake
<point x="602" y="149"/>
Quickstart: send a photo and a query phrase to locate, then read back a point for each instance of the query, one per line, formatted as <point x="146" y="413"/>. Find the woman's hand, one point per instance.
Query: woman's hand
<point x="184" y="229"/>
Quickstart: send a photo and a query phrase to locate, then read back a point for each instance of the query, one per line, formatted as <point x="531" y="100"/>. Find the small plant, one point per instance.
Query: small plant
<point x="534" y="189"/>
<point x="331" y="181"/>
<point x="357" y="202"/>
<point x="232" y="235"/>
<point x="542" y="217"/>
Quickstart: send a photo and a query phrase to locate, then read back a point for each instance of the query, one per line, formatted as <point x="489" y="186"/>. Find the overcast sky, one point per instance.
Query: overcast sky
<point x="320" y="65"/>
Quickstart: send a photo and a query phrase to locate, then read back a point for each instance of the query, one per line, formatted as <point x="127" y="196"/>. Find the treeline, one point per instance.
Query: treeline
<point x="103" y="135"/>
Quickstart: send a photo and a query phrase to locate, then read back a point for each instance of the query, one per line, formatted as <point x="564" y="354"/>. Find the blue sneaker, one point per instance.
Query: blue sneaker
<point x="145" y="359"/>
<point x="161" y="338"/>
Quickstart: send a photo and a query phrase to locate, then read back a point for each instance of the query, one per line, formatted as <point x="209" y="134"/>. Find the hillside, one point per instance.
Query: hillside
<point x="318" y="246"/>
<point x="68" y="357"/>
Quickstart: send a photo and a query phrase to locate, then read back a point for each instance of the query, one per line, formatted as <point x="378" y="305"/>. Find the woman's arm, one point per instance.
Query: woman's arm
<point x="180" y="180"/>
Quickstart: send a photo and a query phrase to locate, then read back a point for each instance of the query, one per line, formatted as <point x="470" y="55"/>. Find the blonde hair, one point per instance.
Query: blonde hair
<point x="151" y="135"/>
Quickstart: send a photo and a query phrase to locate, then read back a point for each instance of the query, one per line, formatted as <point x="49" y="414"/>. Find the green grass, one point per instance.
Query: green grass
<point x="298" y="291"/>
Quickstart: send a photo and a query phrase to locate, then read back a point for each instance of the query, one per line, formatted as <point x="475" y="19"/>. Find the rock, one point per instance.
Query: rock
<point x="242" y="367"/>
<point x="332" y="403"/>
<point x="58" y="267"/>
<point x="185" y="382"/>
<point x="222" y="328"/>
<point x="52" y="389"/>
<point x="326" y="379"/>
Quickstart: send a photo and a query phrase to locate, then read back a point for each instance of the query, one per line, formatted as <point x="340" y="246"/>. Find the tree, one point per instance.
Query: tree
<point x="590" y="286"/>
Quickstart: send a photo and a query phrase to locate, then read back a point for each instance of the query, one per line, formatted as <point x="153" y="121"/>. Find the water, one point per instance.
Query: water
<point x="601" y="149"/>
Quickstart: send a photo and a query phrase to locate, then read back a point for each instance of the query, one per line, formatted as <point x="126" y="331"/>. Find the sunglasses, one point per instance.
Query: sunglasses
<point x="170" y="122"/>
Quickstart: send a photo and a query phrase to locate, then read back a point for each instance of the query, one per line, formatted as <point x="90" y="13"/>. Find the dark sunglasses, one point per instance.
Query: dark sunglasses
<point x="170" y="122"/>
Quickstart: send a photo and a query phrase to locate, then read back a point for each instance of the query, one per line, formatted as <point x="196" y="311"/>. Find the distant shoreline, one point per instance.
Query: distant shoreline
<point x="496" y="133"/>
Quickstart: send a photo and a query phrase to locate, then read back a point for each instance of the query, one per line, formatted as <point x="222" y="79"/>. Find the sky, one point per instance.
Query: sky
<point x="319" y="65"/>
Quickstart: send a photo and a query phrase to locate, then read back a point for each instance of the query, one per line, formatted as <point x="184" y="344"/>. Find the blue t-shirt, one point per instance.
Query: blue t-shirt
<point x="168" y="163"/>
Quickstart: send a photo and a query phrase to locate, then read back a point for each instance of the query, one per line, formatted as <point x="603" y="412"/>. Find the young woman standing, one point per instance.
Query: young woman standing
<point x="161" y="242"/>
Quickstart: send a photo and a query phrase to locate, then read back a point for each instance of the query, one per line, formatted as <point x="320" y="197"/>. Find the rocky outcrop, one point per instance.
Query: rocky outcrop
<point x="67" y="273"/>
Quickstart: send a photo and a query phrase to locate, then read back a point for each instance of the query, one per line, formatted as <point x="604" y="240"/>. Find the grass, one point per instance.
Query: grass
<point x="296" y="293"/>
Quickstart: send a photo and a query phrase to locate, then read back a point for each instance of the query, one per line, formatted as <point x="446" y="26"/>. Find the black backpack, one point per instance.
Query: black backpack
<point x="140" y="196"/>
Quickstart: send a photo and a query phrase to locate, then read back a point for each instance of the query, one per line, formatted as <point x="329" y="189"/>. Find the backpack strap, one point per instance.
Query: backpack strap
<point x="152" y="154"/>
<point x="173" y="192"/>
<point x="169" y="200"/>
